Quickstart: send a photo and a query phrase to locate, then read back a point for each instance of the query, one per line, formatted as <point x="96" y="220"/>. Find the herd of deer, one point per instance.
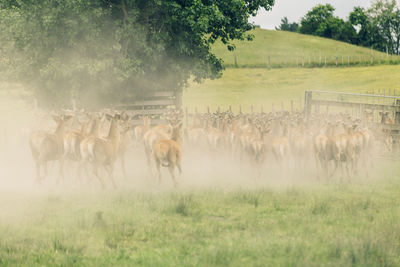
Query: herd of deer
<point x="334" y="141"/>
<point x="98" y="140"/>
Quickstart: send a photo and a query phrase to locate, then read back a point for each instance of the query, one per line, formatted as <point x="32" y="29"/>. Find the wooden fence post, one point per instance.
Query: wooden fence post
<point x="269" y="62"/>
<point x="320" y="58"/>
<point x="308" y="104"/>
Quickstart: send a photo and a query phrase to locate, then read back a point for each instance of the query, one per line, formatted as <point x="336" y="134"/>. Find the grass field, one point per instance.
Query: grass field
<point x="331" y="224"/>
<point x="263" y="87"/>
<point x="289" y="49"/>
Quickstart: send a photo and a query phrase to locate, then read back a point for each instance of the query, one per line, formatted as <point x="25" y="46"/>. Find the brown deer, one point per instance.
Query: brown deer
<point x="46" y="146"/>
<point x="160" y="132"/>
<point x="72" y="142"/>
<point x="125" y="142"/>
<point x="104" y="151"/>
<point x="167" y="153"/>
<point x="140" y="130"/>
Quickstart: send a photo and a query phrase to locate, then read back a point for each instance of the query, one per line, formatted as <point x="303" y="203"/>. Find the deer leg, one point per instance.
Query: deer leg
<point x="158" y="166"/>
<point x="38" y="178"/>
<point x="336" y="166"/>
<point x="148" y="157"/>
<point x="110" y="170"/>
<point x="45" y="171"/>
<point x="172" y="172"/>
<point x="96" y="173"/>
<point x="179" y="166"/>
<point x="61" y="171"/>
<point x="123" y="166"/>
<point x="318" y="165"/>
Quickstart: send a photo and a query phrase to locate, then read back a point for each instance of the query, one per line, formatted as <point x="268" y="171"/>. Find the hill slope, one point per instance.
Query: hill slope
<point x="281" y="48"/>
<point x="259" y="86"/>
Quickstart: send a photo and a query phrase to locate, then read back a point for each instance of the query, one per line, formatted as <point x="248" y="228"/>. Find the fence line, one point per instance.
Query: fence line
<point x="312" y="61"/>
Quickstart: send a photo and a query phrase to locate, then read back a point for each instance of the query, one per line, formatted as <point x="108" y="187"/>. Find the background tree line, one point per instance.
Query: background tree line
<point x="103" y="51"/>
<point x="377" y="27"/>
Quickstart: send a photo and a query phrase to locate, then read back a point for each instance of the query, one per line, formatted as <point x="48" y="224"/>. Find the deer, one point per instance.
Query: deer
<point x="125" y="142"/>
<point x="140" y="130"/>
<point x="159" y="132"/>
<point x="104" y="151"/>
<point x="167" y="153"/>
<point x="94" y="131"/>
<point x="322" y="152"/>
<point x="279" y="142"/>
<point x="49" y="146"/>
<point x="72" y="142"/>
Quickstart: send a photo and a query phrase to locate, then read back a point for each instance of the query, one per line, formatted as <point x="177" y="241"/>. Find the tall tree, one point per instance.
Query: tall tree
<point x="287" y="26"/>
<point x="315" y="20"/>
<point x="320" y="21"/>
<point x="108" y="49"/>
<point x="385" y="14"/>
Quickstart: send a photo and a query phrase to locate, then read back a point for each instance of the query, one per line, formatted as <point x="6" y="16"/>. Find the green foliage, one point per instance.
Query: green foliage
<point x="385" y="16"/>
<point x="377" y="27"/>
<point x="110" y="49"/>
<point x="287" y="26"/>
<point x="320" y="21"/>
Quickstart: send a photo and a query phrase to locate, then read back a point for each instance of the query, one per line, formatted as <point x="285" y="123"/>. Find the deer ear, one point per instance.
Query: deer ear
<point x="66" y="117"/>
<point x="108" y="116"/>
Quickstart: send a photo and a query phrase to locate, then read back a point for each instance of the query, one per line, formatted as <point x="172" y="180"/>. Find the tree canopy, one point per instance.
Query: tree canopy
<point x="377" y="27"/>
<point x="105" y="50"/>
<point x="287" y="26"/>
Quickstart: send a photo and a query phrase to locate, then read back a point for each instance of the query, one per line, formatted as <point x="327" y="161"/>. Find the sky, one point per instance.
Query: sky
<point x="295" y="9"/>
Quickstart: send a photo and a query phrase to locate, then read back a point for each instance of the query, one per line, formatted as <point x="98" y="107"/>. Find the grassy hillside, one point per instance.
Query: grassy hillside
<point x="290" y="49"/>
<point x="263" y="87"/>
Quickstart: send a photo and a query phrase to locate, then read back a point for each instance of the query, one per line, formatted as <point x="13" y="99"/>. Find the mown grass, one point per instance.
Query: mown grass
<point x="285" y="49"/>
<point x="263" y="87"/>
<point x="335" y="224"/>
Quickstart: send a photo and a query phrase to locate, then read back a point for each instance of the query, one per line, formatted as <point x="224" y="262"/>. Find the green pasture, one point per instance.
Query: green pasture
<point x="258" y="86"/>
<point x="285" y="49"/>
<point x="319" y="224"/>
